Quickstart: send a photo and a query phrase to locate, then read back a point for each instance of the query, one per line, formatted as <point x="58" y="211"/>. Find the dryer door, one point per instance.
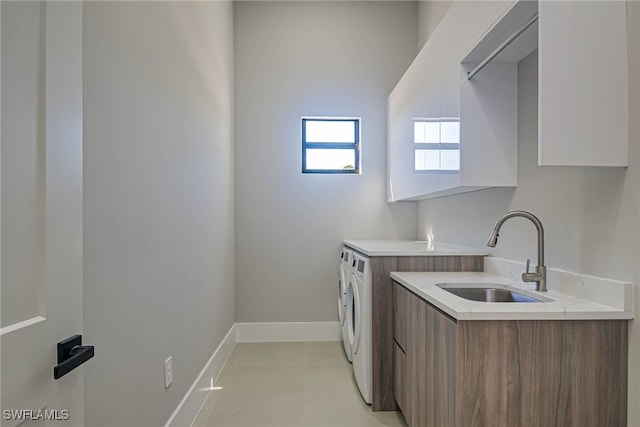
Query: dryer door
<point x="354" y="311"/>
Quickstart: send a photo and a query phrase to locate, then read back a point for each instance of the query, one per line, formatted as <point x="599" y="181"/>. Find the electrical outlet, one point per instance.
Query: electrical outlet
<point x="168" y="372"/>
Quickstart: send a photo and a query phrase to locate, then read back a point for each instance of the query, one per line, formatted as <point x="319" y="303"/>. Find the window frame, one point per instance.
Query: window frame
<point x="440" y="146"/>
<point x="355" y="146"/>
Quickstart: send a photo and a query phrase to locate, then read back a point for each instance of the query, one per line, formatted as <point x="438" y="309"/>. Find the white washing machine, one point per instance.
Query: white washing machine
<point x="359" y="323"/>
<point x="344" y="273"/>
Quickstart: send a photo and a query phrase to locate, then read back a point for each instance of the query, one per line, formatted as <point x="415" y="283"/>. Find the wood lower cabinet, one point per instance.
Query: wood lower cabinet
<point x="430" y="346"/>
<point x="508" y="373"/>
<point x="382" y="328"/>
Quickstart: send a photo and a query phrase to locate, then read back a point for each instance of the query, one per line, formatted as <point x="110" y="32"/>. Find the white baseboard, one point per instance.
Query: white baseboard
<point x="288" y="331"/>
<point x="188" y="409"/>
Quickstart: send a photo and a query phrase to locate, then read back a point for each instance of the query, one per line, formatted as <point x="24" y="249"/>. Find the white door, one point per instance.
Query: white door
<point x="40" y="209"/>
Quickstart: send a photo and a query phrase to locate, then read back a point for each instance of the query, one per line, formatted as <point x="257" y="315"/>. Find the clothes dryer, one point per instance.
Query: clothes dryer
<point x="344" y="273"/>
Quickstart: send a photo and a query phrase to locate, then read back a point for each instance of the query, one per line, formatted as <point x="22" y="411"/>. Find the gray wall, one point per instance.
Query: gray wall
<point x="591" y="215"/>
<point x="158" y="201"/>
<point x="320" y="59"/>
<point x="633" y="26"/>
<point x="430" y="13"/>
<point x="23" y="183"/>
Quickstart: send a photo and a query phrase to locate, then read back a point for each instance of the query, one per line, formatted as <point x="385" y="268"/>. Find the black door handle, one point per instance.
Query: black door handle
<point x="71" y="354"/>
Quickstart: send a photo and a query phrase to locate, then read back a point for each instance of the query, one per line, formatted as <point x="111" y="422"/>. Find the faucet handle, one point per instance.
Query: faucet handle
<point x="527" y="276"/>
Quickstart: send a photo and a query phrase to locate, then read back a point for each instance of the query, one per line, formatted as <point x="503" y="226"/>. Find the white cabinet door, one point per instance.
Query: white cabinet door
<point x="430" y="91"/>
<point x="582" y="83"/>
<point x="416" y="96"/>
<point x="41" y="208"/>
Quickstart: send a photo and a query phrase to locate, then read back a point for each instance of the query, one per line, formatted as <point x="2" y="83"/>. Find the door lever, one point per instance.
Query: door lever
<point x="71" y="354"/>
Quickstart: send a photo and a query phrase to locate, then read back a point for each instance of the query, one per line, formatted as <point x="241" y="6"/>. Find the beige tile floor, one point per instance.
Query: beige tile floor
<point x="292" y="385"/>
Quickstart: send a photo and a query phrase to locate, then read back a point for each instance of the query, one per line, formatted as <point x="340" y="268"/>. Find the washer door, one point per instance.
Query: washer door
<point x="353" y="315"/>
<point x="342" y="296"/>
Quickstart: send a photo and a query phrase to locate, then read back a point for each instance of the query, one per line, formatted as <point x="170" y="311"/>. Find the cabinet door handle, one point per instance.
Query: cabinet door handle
<point x="71" y="354"/>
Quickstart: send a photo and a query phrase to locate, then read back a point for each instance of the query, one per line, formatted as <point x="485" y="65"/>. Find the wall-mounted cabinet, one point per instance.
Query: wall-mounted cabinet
<point x="582" y="76"/>
<point x="582" y="96"/>
<point x="445" y="134"/>
<point x="582" y="83"/>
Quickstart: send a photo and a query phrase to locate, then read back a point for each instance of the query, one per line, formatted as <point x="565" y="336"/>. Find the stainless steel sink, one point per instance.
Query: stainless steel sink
<point x="487" y="292"/>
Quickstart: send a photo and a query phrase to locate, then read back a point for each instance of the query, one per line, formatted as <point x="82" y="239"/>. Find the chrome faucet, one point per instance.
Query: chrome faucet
<point x="540" y="275"/>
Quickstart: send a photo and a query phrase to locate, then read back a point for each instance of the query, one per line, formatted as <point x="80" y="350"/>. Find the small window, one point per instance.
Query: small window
<point x="330" y="145"/>
<point x="437" y="145"/>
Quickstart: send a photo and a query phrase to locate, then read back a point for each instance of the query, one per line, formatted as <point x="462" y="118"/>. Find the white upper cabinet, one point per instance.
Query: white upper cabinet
<point x="416" y="96"/>
<point x="582" y="83"/>
<point x="436" y="146"/>
<point x="448" y="134"/>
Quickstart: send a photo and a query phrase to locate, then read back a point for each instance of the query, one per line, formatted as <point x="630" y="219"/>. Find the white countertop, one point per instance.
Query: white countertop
<point x="410" y="248"/>
<point x="563" y="306"/>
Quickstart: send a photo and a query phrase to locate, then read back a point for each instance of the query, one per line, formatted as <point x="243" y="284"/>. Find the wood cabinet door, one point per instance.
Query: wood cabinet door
<point x="430" y="366"/>
<point x="442" y="367"/>
<point x="401" y="298"/>
<point x="416" y="361"/>
<point x="542" y="373"/>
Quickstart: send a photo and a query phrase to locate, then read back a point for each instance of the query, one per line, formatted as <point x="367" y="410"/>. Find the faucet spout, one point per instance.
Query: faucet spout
<point x="540" y="275"/>
<point x="493" y="239"/>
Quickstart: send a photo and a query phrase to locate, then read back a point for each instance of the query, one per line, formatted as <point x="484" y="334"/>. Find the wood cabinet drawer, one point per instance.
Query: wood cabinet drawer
<point x="399" y="377"/>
